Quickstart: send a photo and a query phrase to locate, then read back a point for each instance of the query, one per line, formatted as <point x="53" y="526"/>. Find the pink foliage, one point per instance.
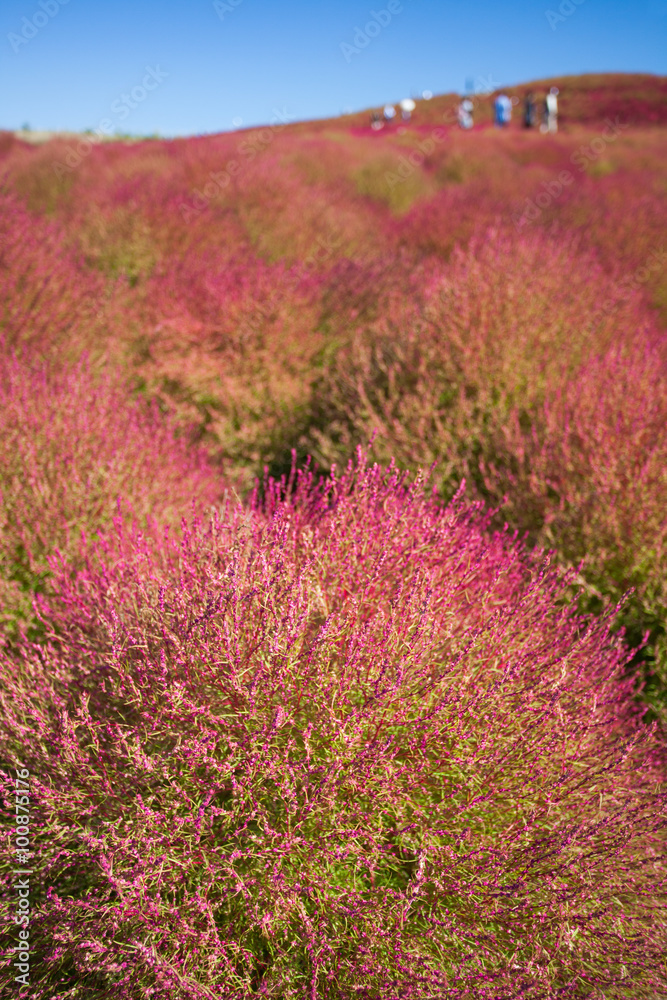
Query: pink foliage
<point x="347" y="744"/>
<point x="341" y="740"/>
<point x="72" y="444"/>
<point x="46" y="297"/>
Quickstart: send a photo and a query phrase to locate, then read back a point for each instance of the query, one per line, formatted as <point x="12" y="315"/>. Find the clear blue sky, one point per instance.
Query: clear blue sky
<point x="238" y="65"/>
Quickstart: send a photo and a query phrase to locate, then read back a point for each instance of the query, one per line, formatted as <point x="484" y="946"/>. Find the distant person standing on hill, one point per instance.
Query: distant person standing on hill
<point x="389" y="113"/>
<point x="544" y="127"/>
<point x="502" y="107"/>
<point x="465" y="113"/>
<point x="552" y="110"/>
<point x="550" y="114"/>
<point x="497" y="111"/>
<point x="529" y="111"/>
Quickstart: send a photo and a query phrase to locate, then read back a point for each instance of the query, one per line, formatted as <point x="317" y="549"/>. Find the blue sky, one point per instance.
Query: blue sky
<point x="67" y="65"/>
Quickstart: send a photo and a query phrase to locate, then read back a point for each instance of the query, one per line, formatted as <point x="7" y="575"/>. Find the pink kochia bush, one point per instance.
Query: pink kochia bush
<point x="341" y="742"/>
<point x="72" y="443"/>
<point x="47" y="299"/>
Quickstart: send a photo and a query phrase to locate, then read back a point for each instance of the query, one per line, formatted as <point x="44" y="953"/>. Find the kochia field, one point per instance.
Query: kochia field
<point x="333" y="551"/>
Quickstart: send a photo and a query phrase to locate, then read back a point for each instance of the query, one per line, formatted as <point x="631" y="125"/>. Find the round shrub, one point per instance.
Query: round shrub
<point x="345" y="744"/>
